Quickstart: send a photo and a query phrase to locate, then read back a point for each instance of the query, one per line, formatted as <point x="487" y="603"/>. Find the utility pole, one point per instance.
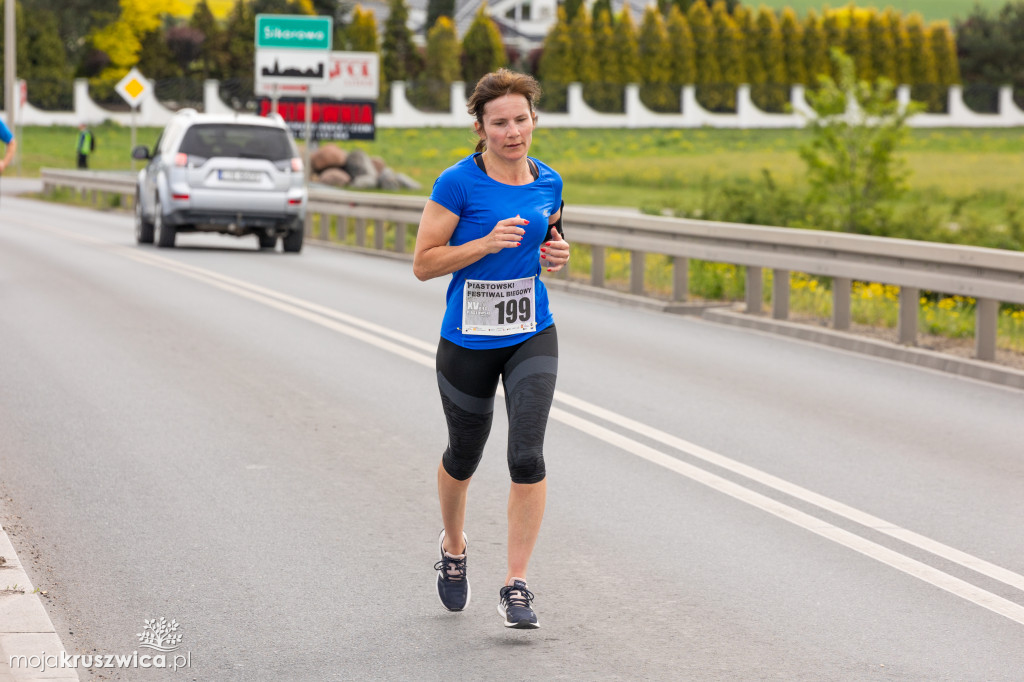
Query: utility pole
<point x="10" y="76"/>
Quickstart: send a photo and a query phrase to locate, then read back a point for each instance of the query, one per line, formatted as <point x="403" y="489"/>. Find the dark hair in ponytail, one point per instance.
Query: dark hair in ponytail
<point x="498" y="84"/>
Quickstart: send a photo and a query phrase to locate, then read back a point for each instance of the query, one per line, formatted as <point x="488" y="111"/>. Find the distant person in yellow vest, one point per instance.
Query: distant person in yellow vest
<point x="86" y="145"/>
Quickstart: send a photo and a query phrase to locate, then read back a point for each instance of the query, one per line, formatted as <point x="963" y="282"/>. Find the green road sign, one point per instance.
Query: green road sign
<point x="293" y="32"/>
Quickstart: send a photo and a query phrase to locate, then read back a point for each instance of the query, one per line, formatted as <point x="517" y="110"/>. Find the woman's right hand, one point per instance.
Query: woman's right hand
<point x="506" y="234"/>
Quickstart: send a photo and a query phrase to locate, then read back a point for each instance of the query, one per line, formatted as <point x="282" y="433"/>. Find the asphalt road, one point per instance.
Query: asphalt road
<point x="247" y="443"/>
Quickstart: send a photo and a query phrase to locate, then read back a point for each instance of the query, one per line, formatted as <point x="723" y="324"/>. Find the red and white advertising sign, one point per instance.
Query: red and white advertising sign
<point x="350" y="75"/>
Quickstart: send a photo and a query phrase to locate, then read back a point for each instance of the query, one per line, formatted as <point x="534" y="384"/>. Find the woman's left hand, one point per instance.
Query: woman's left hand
<point x="554" y="253"/>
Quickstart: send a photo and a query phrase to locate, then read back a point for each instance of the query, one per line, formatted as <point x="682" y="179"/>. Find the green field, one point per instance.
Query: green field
<point x="638" y="168"/>
<point x="971" y="178"/>
<point x="932" y="10"/>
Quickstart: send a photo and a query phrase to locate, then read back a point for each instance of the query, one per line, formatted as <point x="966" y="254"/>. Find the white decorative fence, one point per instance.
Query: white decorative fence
<point x="579" y="115"/>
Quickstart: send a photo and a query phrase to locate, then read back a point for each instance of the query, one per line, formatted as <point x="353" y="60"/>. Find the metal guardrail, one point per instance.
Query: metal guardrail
<point x="990" y="276"/>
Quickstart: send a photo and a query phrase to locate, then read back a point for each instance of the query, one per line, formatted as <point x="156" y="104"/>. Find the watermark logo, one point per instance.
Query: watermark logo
<point x="160" y="635"/>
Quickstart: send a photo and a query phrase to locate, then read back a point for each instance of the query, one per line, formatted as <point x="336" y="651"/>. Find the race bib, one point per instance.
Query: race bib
<point x="498" y="308"/>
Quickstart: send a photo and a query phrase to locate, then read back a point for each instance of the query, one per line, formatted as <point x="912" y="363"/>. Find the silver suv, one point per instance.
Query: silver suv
<point x="235" y="175"/>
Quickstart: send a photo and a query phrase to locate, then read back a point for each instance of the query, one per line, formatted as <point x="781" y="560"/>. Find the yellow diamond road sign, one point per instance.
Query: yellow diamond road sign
<point x="132" y="87"/>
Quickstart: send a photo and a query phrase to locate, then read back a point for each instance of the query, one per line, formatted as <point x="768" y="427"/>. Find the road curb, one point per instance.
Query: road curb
<point x="942" y="362"/>
<point x="25" y="627"/>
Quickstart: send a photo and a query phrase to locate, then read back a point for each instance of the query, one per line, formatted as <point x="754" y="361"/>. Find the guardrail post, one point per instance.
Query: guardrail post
<point x="986" y="326"/>
<point x="379" y="228"/>
<point x="841" y="287"/>
<point x="596" y="266"/>
<point x="755" y="289"/>
<point x="636" y="272"/>
<point x="325" y="226"/>
<point x="780" y="294"/>
<point x="360" y="231"/>
<point x="400" y="237"/>
<point x="680" y="278"/>
<point x="909" y="308"/>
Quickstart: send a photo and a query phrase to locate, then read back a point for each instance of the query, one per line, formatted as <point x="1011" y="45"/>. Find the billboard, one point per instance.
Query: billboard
<point x="331" y="119"/>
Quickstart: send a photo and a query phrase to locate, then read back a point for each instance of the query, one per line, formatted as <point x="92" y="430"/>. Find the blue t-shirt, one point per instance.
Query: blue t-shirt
<point x="5" y="133"/>
<point x="480" y="202"/>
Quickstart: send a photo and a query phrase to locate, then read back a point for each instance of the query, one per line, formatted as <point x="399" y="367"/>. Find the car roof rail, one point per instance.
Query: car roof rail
<point x="275" y="116"/>
<point x="187" y="111"/>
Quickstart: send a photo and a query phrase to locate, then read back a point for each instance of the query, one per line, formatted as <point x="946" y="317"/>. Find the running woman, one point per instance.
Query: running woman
<point x="493" y="222"/>
<point x="7" y="137"/>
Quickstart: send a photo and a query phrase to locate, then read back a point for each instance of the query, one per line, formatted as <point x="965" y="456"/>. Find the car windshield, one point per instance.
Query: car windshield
<point x="242" y="141"/>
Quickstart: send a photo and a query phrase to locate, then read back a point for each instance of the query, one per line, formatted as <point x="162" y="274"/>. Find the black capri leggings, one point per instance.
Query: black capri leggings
<point x="468" y="380"/>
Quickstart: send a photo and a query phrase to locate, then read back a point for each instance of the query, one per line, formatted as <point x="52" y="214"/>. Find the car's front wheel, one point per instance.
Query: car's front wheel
<point x="143" y="227"/>
<point x="164" y="233"/>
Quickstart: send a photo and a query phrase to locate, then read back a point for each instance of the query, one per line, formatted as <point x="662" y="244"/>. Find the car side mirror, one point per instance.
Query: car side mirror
<point x="141" y="153"/>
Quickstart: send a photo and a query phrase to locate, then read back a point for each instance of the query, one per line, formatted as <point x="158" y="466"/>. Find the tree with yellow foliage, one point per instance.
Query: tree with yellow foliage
<point x="121" y="40"/>
<point x="921" y="60"/>
<point x="604" y="95"/>
<point x="682" y="58"/>
<point x="729" y="50"/>
<point x="556" y="68"/>
<point x="793" y="47"/>
<point x="656" y="91"/>
<point x="705" y="38"/>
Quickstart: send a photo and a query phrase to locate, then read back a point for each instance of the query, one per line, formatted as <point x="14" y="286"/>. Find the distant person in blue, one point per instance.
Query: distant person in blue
<point x="7" y="137"/>
<point x="84" y="146"/>
<point x="493" y="222"/>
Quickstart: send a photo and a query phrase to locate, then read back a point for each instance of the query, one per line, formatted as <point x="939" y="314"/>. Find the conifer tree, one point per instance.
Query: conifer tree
<point x="581" y="32"/>
<point x="835" y="35"/>
<point x="628" y="63"/>
<point x="947" y="67"/>
<point x="729" y="51"/>
<point x="42" y="60"/>
<point x="753" y="67"/>
<point x="858" y="41"/>
<point x="439" y="8"/>
<point x="656" y="91"/>
<point x="705" y="38"/>
<point x="901" y="41"/>
<point x="572" y="8"/>
<point x="443" y="65"/>
<point x="601" y="6"/>
<point x="815" y="48"/>
<point x="213" y="40"/>
<point x="240" y="33"/>
<point x="603" y="94"/>
<point x="793" y="47"/>
<point x="156" y="60"/>
<point x="771" y="52"/>
<point x="924" y="79"/>
<point x="883" y="49"/>
<point x="556" y="68"/>
<point x="400" y="60"/>
<point x="682" y="58"/>
<point x="362" y="32"/>
<point x="482" y="47"/>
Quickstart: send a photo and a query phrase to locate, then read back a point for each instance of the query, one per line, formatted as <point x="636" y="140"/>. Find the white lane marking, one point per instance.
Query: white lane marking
<point x="838" y="508"/>
<point x="918" y="569"/>
<point x="329" y="318"/>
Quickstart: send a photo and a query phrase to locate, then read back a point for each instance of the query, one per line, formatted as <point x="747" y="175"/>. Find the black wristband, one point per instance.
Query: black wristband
<point x="558" y="223"/>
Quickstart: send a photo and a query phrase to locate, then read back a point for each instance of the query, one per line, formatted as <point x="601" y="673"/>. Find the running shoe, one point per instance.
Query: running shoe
<point x="514" y="606"/>
<point x="452" y="583"/>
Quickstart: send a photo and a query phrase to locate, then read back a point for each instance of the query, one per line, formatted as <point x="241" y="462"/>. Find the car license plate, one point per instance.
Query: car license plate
<point x="239" y="175"/>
